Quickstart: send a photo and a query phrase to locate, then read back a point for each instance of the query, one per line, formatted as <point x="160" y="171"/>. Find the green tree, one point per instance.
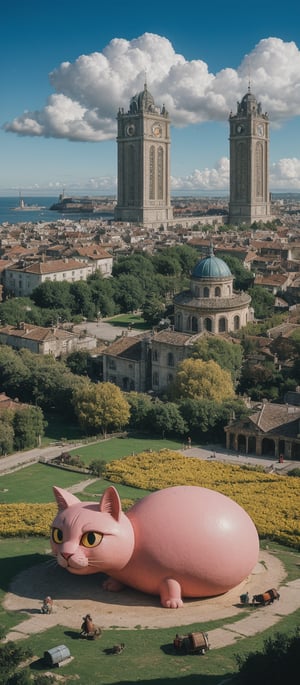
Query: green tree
<point x="102" y="294"/>
<point x="198" y="379"/>
<point x="83" y="302"/>
<point x="6" y="433"/>
<point x="165" y="419"/>
<point x="140" y="405"/>
<point x="14" y="374"/>
<point x="187" y="256"/>
<point x="101" y="407"/>
<point x="153" y="309"/>
<point x="53" y="295"/>
<point x="129" y="294"/>
<point x="243" y="278"/>
<point x="228" y="355"/>
<point x="262" y="302"/>
<point x="79" y="362"/>
<point x="138" y="265"/>
<point x="17" y="309"/>
<point x="29" y="426"/>
<point x="167" y="264"/>
<point x="50" y="384"/>
<point x="279" y="659"/>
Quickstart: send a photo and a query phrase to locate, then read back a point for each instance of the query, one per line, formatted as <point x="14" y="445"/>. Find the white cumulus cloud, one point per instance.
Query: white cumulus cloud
<point x="89" y="91"/>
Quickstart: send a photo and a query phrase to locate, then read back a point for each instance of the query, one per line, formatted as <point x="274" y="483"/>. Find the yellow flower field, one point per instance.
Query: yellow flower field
<point x="272" y="501"/>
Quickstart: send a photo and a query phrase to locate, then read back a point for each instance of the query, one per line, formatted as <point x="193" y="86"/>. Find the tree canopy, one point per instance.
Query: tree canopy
<point x="101" y="407"/>
<point x="227" y="354"/>
<point x="200" y="379"/>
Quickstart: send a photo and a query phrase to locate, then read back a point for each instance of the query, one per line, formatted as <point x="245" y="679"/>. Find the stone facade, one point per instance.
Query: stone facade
<point x="144" y="163"/>
<point x="126" y="363"/>
<point x="249" y="162"/>
<point x="46" y="341"/>
<point x="22" y="281"/>
<point x="211" y="303"/>
<point x="272" y="430"/>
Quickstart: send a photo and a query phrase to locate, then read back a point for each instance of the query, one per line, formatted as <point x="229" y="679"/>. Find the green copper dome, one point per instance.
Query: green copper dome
<point x="211" y="267"/>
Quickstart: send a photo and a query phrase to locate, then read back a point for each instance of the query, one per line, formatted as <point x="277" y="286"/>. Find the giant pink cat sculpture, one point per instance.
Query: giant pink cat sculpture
<point x="182" y="541"/>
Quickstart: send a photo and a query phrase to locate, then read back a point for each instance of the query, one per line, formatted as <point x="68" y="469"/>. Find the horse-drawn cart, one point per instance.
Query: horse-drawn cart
<point x="267" y="597"/>
<point x="193" y="643"/>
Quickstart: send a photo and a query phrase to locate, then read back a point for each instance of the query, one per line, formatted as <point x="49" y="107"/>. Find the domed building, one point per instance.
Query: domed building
<point x="209" y="306"/>
<point x="211" y="303"/>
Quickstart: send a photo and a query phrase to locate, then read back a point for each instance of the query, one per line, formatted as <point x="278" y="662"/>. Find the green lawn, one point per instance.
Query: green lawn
<point x="126" y="320"/>
<point x="115" y="448"/>
<point x="34" y="483"/>
<point x="148" y="656"/>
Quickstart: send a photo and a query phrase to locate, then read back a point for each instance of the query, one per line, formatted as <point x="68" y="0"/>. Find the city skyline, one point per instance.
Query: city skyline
<point x="67" y="67"/>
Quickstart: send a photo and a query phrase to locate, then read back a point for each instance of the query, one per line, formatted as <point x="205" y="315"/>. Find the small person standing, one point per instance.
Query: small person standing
<point x="47" y="605"/>
<point x="189" y="442"/>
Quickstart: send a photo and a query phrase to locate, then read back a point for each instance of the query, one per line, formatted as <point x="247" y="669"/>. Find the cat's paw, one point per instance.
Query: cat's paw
<point x="175" y="603"/>
<point x="170" y="594"/>
<point x="112" y="585"/>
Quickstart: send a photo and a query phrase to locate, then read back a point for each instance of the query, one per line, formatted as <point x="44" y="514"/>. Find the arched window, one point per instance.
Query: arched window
<point x="152" y="173"/>
<point x="160" y="173"/>
<point x="154" y="356"/>
<point x="217" y="291"/>
<point x="179" y="322"/>
<point x="170" y="378"/>
<point x="208" y="324"/>
<point x="222" y="325"/>
<point x="131" y="180"/>
<point x="236" y="323"/>
<point x="197" y="291"/>
<point x="194" y="324"/>
<point x="206" y="292"/>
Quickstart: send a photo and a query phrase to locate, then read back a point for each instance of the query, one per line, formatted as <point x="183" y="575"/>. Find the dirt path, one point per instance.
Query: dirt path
<point x="75" y="596"/>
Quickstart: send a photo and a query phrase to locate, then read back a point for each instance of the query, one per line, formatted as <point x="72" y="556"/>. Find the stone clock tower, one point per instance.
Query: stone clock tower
<point x="249" y="163"/>
<point x="144" y="163"/>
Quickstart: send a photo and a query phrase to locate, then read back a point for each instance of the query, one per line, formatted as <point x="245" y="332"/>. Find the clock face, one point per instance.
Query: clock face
<point x="156" y="130"/>
<point x="260" y="130"/>
<point x="239" y="128"/>
<point x="130" y="130"/>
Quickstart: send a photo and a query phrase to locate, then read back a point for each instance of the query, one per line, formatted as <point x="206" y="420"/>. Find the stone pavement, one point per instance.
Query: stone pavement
<point x="259" y="619"/>
<point x="74" y="597"/>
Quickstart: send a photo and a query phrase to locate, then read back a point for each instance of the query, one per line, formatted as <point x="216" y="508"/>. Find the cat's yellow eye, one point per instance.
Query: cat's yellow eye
<point x="91" y="539"/>
<point x="57" y="536"/>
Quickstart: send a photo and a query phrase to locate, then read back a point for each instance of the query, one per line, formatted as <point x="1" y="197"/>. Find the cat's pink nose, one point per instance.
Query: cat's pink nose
<point x="65" y="555"/>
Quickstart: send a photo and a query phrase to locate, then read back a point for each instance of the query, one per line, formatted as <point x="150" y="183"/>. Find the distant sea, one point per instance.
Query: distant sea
<point x="12" y="216"/>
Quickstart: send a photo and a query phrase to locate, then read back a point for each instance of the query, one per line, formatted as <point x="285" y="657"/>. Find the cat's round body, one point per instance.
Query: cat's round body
<point x="182" y="541"/>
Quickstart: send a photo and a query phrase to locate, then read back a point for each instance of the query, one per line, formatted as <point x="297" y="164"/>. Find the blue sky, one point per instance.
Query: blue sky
<point x="66" y="66"/>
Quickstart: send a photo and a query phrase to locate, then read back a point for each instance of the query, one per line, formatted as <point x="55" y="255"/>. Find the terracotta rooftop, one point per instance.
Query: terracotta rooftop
<point x="171" y="337"/>
<point x="128" y="347"/>
<point x="278" y="418"/>
<point x="37" y="333"/>
<point x="54" y="266"/>
<point x="8" y="403"/>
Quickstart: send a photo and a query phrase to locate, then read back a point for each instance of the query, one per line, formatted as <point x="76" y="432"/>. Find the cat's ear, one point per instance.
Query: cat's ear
<point x="64" y="498"/>
<point x="110" y="503"/>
